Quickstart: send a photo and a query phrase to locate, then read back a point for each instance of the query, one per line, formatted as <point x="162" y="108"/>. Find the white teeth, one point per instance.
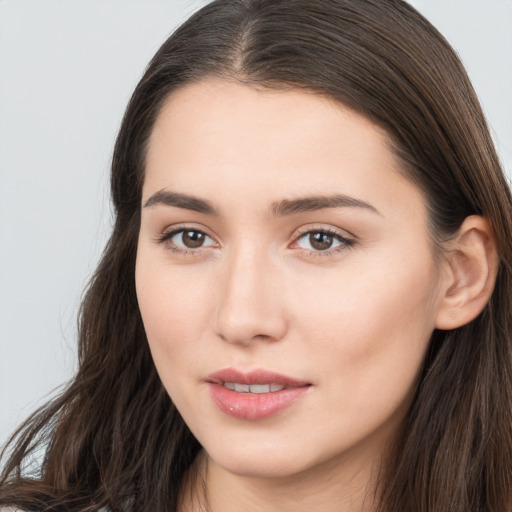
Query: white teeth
<point x="259" y="388"/>
<point x="252" y="388"/>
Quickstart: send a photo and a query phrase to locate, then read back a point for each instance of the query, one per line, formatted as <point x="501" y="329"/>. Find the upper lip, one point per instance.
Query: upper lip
<point x="257" y="376"/>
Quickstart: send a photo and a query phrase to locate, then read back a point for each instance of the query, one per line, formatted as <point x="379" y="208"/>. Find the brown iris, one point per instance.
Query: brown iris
<point x="320" y="241"/>
<point x="192" y="239"/>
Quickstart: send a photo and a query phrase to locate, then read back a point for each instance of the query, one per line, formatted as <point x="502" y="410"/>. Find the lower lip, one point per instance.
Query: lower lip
<point x="254" y="406"/>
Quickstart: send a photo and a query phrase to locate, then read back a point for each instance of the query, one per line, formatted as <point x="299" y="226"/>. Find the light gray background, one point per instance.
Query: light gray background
<point x="67" y="69"/>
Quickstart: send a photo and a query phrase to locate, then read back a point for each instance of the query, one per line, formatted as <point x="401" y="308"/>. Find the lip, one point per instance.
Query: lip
<point x="254" y="406"/>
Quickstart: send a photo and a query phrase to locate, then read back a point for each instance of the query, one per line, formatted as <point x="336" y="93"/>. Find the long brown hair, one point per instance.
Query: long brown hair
<point x="113" y="437"/>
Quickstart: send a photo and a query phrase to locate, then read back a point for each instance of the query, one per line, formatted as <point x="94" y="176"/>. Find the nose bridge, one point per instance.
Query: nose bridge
<point x="249" y="304"/>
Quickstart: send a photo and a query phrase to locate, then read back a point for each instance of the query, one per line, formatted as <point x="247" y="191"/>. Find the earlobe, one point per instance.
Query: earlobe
<point x="471" y="265"/>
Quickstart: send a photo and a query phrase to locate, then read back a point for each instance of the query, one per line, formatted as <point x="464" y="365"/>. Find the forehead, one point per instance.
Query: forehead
<point x="215" y="110"/>
<point x="231" y="140"/>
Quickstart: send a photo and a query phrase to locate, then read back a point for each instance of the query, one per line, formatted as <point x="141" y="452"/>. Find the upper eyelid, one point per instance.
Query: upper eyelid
<point x="344" y="240"/>
<point x="333" y="230"/>
<point x="176" y="228"/>
<point x="164" y="237"/>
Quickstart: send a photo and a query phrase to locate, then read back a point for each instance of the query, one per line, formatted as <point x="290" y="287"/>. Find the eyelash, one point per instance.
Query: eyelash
<point x="345" y="243"/>
<point x="166" y="237"/>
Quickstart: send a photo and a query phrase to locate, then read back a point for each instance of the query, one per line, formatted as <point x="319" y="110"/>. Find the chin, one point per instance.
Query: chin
<point x="262" y="461"/>
<point x="260" y="468"/>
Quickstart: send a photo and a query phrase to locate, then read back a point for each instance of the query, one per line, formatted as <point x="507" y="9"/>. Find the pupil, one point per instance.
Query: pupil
<point x="320" y="241"/>
<point x="193" y="239"/>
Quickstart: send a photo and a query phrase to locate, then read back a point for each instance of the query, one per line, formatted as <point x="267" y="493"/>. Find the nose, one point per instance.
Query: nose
<point x="250" y="305"/>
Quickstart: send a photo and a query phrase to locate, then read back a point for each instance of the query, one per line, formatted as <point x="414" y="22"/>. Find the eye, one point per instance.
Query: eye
<point x="321" y="240"/>
<point x="185" y="240"/>
<point x="189" y="239"/>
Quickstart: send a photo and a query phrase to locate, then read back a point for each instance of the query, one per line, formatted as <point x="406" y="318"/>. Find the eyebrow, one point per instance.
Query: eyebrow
<point x="309" y="204"/>
<point x="167" y="198"/>
<point x="281" y="208"/>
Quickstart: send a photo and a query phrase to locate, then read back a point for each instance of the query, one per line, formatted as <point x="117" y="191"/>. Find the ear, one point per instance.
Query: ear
<point x="469" y="273"/>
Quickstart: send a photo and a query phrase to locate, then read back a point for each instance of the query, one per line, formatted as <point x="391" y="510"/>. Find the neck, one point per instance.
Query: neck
<point x="330" y="488"/>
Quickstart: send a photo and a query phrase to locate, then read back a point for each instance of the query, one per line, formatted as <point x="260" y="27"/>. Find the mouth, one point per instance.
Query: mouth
<point x="255" y="381"/>
<point x="252" y="388"/>
<point x="254" y="395"/>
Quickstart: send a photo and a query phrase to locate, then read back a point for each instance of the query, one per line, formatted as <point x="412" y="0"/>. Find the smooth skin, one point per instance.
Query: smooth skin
<point x="233" y="272"/>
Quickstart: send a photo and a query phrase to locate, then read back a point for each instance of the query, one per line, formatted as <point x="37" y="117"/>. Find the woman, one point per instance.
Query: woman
<point x="305" y="301"/>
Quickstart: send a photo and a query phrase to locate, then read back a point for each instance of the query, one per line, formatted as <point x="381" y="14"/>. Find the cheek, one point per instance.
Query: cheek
<point x="175" y="305"/>
<point x="368" y="339"/>
<point x="372" y="322"/>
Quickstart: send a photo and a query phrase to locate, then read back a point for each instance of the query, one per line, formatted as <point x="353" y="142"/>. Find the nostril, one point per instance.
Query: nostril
<point x="246" y="329"/>
<point x="248" y="307"/>
<point x="243" y="339"/>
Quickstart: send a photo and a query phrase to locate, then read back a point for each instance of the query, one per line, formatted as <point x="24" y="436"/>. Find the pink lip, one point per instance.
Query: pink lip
<point x="254" y="406"/>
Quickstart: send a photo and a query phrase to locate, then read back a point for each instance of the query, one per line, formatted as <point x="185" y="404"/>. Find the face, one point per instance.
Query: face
<point x="285" y="277"/>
